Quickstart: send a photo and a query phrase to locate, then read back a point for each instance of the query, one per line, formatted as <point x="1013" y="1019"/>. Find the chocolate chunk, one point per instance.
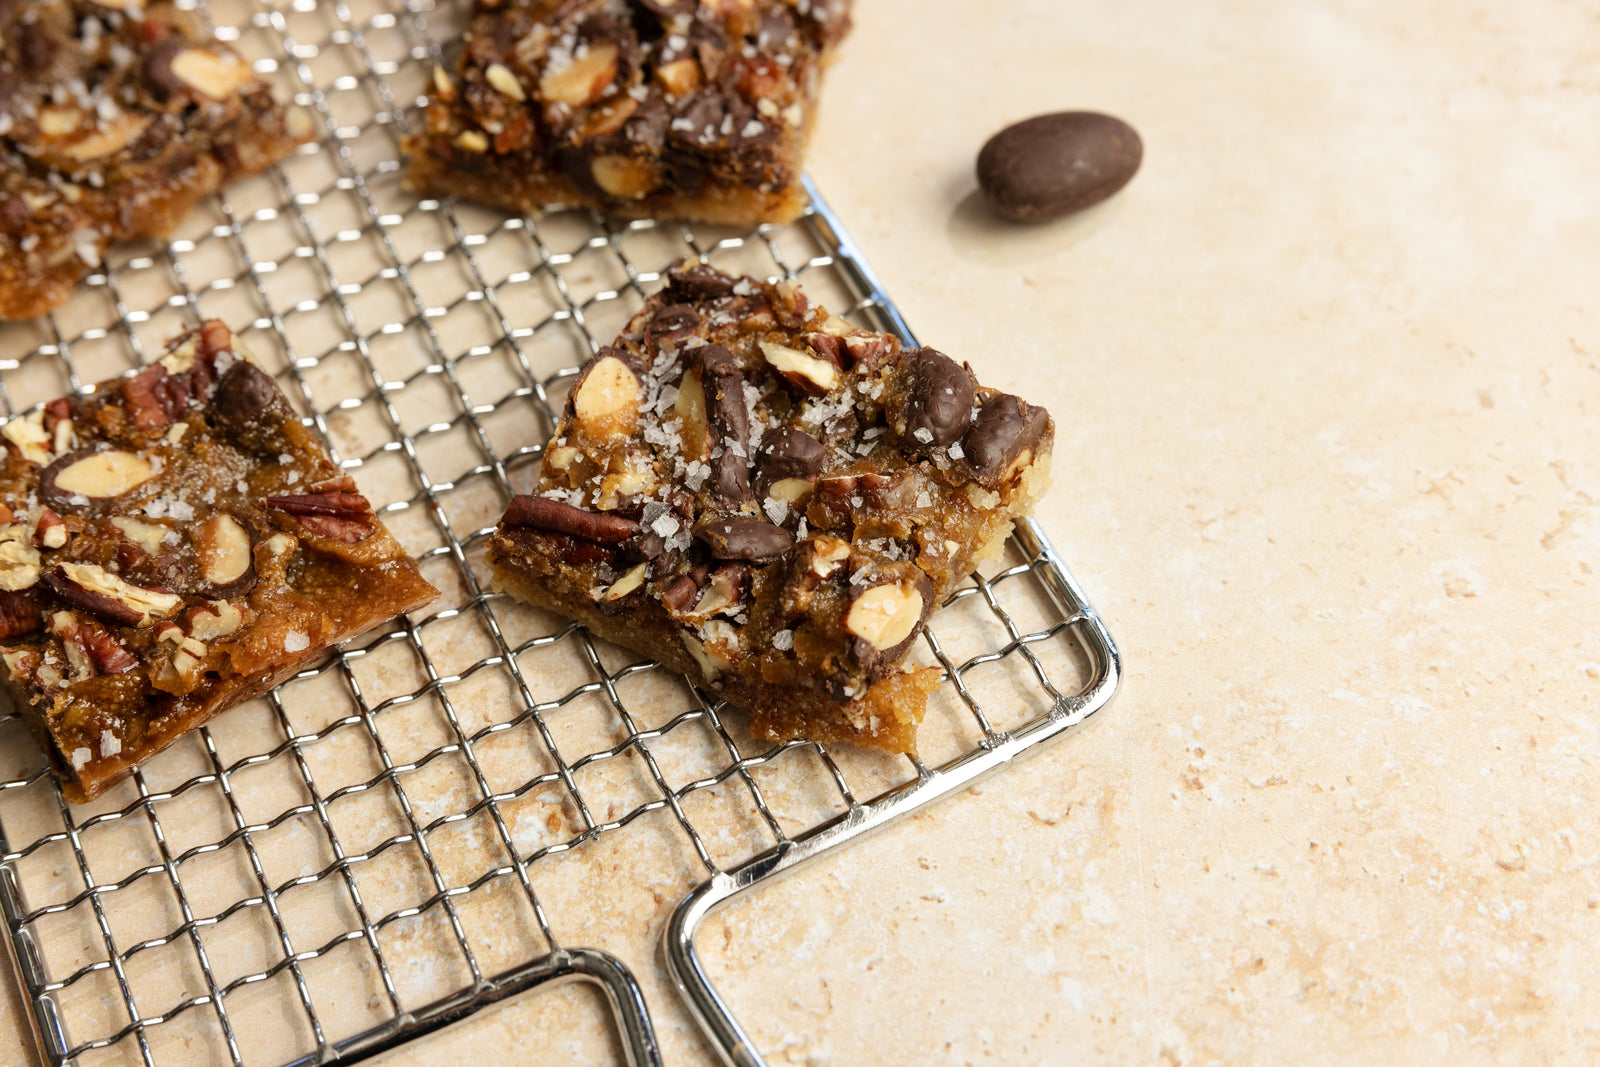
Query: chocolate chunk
<point x="163" y="82"/>
<point x="789" y="453"/>
<point x="742" y="537"/>
<point x="728" y="413"/>
<point x="1052" y="165"/>
<point x="698" y="282"/>
<point x="777" y="30"/>
<point x="673" y="321"/>
<point x="680" y="594"/>
<point x="249" y="408"/>
<point x="938" y="402"/>
<point x="1004" y="430"/>
<point x="542" y="513"/>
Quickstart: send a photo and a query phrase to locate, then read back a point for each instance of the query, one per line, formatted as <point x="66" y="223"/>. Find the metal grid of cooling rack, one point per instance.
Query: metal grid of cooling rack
<point x="413" y="829"/>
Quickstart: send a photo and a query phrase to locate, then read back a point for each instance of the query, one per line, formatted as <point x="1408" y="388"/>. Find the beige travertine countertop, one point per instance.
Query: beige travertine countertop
<point x="1325" y="377"/>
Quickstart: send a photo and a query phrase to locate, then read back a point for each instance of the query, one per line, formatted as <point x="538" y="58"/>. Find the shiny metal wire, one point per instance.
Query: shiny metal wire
<point x="358" y="69"/>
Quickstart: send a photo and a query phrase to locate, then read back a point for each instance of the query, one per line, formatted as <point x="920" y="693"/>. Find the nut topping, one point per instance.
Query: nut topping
<point x="625" y="177"/>
<point x="28" y="434"/>
<point x="542" y="513"/>
<point x="742" y="537"/>
<point x="1003" y="439"/>
<point x="938" y="402"/>
<point x="339" y="516"/>
<point x="91" y="649"/>
<point x="147" y="535"/>
<point x="885" y="615"/>
<point x="213" y="619"/>
<point x="581" y="80"/>
<point x="788" y="453"/>
<point x="19" y="560"/>
<point x="500" y="77"/>
<point x="606" y="403"/>
<point x="828" y="554"/>
<point x="728" y="416"/>
<point x="109" y="137"/>
<point x="88" y="483"/>
<point x="691" y="408"/>
<point x="109" y="596"/>
<point x="250" y="409"/>
<point x="812" y="374"/>
<point x="48" y="530"/>
<point x="19" y="614"/>
<point x="630" y="581"/>
<point x="226" y="561"/>
<point x="215" y="74"/>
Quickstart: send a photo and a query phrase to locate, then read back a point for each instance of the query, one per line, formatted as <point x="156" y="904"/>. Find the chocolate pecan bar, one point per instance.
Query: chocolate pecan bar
<point x="669" y="108"/>
<point x="752" y="491"/>
<point x="172" y="545"/>
<point x="116" y="118"/>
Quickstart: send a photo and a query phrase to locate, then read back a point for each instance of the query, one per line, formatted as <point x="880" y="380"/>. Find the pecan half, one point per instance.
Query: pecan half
<point x="542" y="513"/>
<point x="19" y="613"/>
<point x="339" y="515"/>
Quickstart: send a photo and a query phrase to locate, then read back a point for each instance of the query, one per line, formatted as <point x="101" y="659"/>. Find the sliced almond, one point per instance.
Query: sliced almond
<point x="59" y="121"/>
<point x="473" y="141"/>
<point x="218" y="75"/>
<point x="102" y="475"/>
<point x="224" y="546"/>
<point x="789" y="490"/>
<point x="607" y="402"/>
<point x="582" y="80"/>
<point x="807" y="372"/>
<point x="500" y="78"/>
<point x="721" y="593"/>
<point x="631" y="580"/>
<point x="629" y="177"/>
<point x="691" y="408"/>
<point x="443" y="86"/>
<point x="885" y="615"/>
<point x="110" y="137"/>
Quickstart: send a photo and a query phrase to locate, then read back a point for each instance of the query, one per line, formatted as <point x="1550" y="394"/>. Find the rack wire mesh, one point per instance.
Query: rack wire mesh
<point x="429" y="819"/>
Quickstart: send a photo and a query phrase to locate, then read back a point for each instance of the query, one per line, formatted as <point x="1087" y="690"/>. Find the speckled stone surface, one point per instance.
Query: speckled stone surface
<point x="1325" y="378"/>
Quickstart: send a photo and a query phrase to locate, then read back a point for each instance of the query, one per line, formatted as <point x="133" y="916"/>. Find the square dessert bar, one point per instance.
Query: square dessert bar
<point x="172" y="545"/>
<point x="665" y="108"/>
<point x="754" y="492"/>
<point x="116" y="118"/>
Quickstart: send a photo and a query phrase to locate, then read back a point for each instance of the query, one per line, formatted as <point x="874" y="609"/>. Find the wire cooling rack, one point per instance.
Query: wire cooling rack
<point x="430" y="819"/>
